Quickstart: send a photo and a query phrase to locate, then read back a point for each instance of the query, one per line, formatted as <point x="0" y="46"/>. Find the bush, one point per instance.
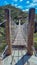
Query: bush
<point x="2" y="47"/>
<point x="35" y="45"/>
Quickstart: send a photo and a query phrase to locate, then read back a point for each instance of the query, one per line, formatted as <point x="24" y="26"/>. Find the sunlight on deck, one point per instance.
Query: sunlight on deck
<point x="20" y="57"/>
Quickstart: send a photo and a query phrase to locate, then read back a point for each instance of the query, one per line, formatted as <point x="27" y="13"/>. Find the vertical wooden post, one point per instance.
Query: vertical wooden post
<point x="7" y="31"/>
<point x="31" y="30"/>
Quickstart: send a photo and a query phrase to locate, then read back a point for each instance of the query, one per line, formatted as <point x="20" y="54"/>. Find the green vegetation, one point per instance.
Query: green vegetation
<point x="2" y="47"/>
<point x="35" y="37"/>
<point x="35" y="40"/>
<point x="15" y="12"/>
<point x="2" y="39"/>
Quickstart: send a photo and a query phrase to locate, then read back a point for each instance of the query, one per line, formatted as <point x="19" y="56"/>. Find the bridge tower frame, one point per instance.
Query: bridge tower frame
<point x="30" y="31"/>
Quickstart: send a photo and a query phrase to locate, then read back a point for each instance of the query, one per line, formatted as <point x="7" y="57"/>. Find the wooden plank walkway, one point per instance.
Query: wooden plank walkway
<point x="19" y="40"/>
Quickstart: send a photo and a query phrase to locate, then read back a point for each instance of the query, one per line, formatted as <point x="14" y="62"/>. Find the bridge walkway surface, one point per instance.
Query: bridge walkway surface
<point x="19" y="54"/>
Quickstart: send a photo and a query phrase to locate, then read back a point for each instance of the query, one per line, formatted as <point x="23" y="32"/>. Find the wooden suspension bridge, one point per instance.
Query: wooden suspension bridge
<point x="19" y="40"/>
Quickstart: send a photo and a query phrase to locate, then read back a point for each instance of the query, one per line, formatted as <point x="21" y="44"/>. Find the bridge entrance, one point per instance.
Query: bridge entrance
<point x="17" y="36"/>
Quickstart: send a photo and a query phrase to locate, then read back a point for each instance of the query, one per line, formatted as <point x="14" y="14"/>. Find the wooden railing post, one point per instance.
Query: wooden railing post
<point x="31" y="30"/>
<point x="7" y="31"/>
